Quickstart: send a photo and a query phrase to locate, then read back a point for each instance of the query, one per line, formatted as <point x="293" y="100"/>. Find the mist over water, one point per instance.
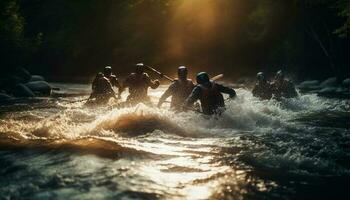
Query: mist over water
<point x="55" y="149"/>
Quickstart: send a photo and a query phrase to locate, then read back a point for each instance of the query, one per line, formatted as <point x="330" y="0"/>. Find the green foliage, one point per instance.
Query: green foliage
<point x="344" y="7"/>
<point x="11" y="22"/>
<point x="80" y="36"/>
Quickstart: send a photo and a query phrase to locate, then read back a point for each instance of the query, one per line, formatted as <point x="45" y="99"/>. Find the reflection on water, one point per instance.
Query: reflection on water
<point x="57" y="148"/>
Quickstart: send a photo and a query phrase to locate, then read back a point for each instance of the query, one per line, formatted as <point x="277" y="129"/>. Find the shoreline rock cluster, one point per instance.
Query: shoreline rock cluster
<point x="20" y="83"/>
<point x="331" y="87"/>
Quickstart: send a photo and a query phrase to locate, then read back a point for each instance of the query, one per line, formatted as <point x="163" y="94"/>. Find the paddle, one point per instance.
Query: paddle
<point x="156" y="71"/>
<point x="217" y="77"/>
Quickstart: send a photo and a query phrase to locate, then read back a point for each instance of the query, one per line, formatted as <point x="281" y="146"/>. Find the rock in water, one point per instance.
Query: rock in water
<point x="4" y="97"/>
<point x="329" y="82"/>
<point x="40" y="87"/>
<point x="346" y="82"/>
<point x="21" y="90"/>
<point x="328" y="90"/>
<point x="36" y="78"/>
<point x="314" y="84"/>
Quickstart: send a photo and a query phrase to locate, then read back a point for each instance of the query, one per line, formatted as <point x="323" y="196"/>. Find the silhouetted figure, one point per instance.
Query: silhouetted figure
<point x="209" y="94"/>
<point x="138" y="84"/>
<point x="102" y="90"/>
<point x="112" y="79"/>
<point x="179" y="90"/>
<point x="282" y="87"/>
<point x="263" y="88"/>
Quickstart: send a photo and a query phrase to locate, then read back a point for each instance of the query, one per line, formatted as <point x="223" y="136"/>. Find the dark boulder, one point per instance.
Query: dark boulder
<point x="21" y="90"/>
<point x="36" y="78"/>
<point x="330" y="82"/>
<point x="4" y="97"/>
<point x="40" y="87"/>
<point x="346" y="82"/>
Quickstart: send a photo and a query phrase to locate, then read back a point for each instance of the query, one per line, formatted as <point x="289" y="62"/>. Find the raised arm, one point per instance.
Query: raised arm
<point x="227" y="90"/>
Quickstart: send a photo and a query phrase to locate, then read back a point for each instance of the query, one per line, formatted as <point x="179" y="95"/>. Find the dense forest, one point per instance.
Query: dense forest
<point x="68" y="38"/>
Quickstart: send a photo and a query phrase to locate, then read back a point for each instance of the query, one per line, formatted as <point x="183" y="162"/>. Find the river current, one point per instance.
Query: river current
<point x="56" y="148"/>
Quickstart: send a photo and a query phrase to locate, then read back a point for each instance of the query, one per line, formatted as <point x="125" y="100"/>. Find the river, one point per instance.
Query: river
<point x="56" y="148"/>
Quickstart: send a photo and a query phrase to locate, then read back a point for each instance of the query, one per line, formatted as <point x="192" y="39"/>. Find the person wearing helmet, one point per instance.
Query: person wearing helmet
<point x="102" y="90"/>
<point x="138" y="84"/>
<point x="262" y="87"/>
<point x="112" y="78"/>
<point x="210" y="95"/>
<point x="180" y="89"/>
<point x="281" y="87"/>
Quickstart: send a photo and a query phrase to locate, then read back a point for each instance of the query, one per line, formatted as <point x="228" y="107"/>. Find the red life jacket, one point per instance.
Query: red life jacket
<point x="211" y="98"/>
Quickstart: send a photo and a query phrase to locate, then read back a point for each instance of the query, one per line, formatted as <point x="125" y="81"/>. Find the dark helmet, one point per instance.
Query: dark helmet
<point x="108" y="70"/>
<point x="140" y="68"/>
<point x="260" y="76"/>
<point x="182" y="72"/>
<point x="202" y="78"/>
<point x="279" y="75"/>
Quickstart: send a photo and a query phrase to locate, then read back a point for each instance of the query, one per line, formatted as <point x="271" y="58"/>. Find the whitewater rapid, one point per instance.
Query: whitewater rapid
<point x="58" y="148"/>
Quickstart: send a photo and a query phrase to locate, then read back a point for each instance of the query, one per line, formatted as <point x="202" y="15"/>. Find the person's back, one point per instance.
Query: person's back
<point x="112" y="79"/>
<point x="182" y="89"/>
<point x="102" y="89"/>
<point x="209" y="94"/>
<point x="138" y="84"/>
<point x="282" y="87"/>
<point x="179" y="90"/>
<point x="262" y="88"/>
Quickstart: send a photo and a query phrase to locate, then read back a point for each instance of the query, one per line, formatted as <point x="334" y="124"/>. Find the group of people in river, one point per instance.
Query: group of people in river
<point x="184" y="93"/>
<point x="278" y="88"/>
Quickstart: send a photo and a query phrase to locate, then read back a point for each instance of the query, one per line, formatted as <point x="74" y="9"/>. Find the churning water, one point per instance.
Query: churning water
<point x="56" y="149"/>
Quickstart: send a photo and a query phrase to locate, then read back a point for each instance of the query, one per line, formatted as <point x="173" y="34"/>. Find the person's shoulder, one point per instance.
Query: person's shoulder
<point x="105" y="79"/>
<point x="145" y="75"/>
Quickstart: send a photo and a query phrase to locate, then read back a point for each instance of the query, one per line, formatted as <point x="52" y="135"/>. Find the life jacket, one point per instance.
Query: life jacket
<point x="211" y="98"/>
<point x="182" y="89"/>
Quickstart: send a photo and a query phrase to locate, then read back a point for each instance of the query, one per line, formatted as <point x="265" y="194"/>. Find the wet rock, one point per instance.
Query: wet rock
<point x="21" y="90"/>
<point x="314" y="84"/>
<point x="4" y="97"/>
<point x="333" y="81"/>
<point x="40" y="87"/>
<point x="36" y="78"/>
<point x="328" y="90"/>
<point x="346" y="82"/>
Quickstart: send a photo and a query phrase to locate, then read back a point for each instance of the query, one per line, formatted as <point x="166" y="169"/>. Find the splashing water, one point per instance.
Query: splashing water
<point x="54" y="149"/>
